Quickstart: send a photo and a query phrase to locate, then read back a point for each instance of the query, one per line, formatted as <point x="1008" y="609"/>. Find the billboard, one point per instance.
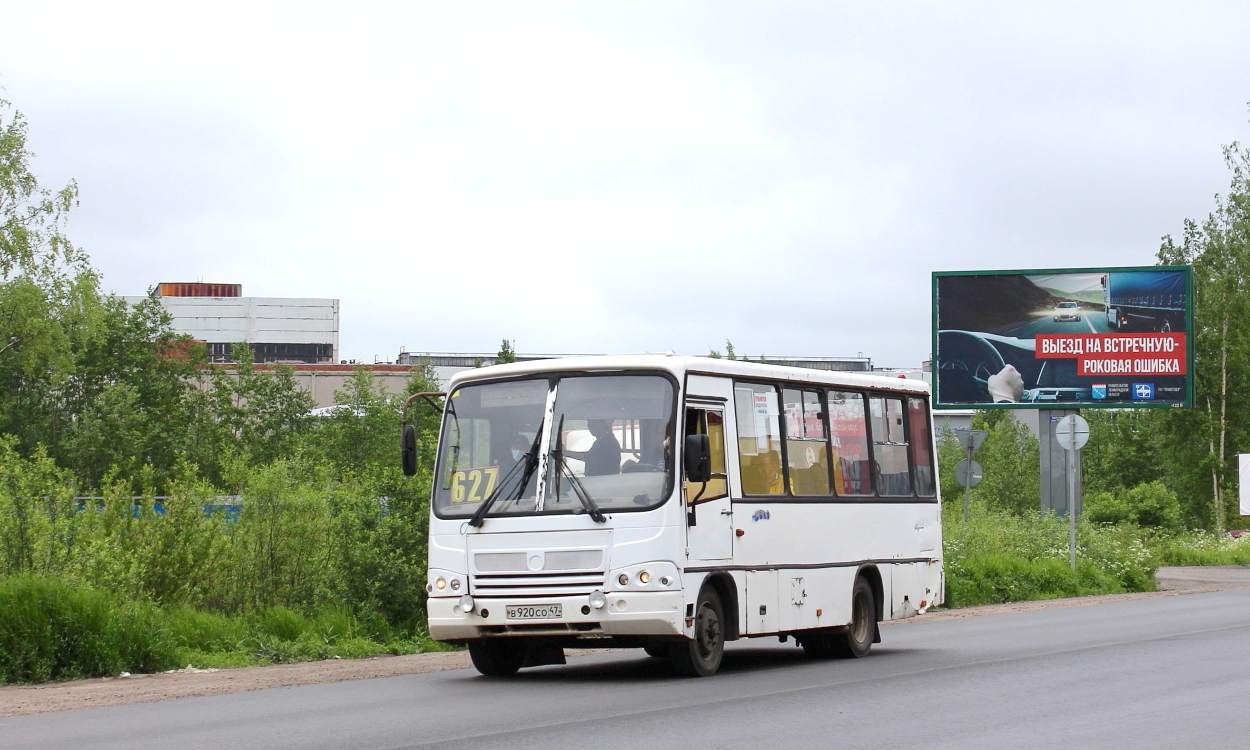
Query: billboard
<point x="1069" y="338"/>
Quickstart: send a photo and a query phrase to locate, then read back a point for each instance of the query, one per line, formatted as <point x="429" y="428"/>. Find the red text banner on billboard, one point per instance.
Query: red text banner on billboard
<point x="1089" y="337"/>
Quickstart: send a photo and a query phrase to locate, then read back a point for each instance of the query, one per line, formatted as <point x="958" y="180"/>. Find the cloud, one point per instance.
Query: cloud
<point x="625" y="178"/>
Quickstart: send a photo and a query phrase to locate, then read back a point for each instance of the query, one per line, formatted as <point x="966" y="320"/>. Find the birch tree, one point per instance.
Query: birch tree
<point x="1219" y="250"/>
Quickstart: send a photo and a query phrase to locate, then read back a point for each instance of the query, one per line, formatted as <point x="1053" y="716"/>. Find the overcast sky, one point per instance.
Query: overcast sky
<point x="622" y="177"/>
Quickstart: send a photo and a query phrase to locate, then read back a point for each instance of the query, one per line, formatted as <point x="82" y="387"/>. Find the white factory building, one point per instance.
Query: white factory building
<point x="278" y="329"/>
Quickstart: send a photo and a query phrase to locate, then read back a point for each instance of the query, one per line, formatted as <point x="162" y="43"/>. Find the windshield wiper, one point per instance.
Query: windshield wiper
<point x="531" y="462"/>
<point x="579" y="489"/>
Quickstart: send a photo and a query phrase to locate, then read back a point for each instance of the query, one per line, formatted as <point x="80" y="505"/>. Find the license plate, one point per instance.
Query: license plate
<point x="534" y="612"/>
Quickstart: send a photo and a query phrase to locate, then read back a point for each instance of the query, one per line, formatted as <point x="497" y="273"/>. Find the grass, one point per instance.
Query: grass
<point x="999" y="557"/>
<point x="992" y="579"/>
<point x="1202" y="548"/>
<point x="53" y="630"/>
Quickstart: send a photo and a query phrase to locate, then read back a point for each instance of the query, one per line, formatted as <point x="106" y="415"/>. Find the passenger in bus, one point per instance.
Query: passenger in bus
<point x="771" y="463"/>
<point x="604" y="457"/>
<point x="520" y="446"/>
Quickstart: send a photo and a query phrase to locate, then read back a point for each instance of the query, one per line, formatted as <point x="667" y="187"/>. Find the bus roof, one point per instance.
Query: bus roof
<point x="681" y="365"/>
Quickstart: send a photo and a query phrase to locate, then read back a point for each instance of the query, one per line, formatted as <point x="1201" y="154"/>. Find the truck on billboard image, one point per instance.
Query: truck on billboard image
<point x="1145" y="301"/>
<point x="1047" y="339"/>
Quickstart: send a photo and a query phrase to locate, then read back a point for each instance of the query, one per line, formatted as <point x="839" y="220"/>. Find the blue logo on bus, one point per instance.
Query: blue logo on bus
<point x="1143" y="391"/>
<point x="760" y="515"/>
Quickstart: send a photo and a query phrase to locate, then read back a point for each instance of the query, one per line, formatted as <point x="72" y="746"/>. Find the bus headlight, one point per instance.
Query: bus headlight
<point x="644" y="578"/>
<point x="455" y="584"/>
<point x="597" y="599"/>
<point x="466" y="603"/>
<point x="440" y="583"/>
<point x="623" y="579"/>
<point x="665" y="580"/>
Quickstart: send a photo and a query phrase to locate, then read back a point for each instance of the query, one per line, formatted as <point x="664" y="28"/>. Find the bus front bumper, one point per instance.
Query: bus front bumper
<point x="632" y="613"/>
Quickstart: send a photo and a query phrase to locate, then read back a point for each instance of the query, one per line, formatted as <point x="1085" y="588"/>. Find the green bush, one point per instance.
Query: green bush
<point x="978" y="557"/>
<point x="1107" y="507"/>
<point x="52" y="630"/>
<point x="1149" y="505"/>
<point x="1154" y="505"/>
<point x="993" y="579"/>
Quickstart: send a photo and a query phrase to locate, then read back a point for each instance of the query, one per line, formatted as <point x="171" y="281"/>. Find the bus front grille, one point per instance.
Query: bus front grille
<point x="533" y="585"/>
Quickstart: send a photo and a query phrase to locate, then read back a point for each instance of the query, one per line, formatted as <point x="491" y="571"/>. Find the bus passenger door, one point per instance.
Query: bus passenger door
<point x="709" y="514"/>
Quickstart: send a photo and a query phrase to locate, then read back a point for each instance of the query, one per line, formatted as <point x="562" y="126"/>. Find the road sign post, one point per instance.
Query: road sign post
<point x="1072" y="433"/>
<point x="967" y="471"/>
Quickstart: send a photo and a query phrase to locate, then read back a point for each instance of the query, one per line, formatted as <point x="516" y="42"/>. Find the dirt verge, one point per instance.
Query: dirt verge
<point x="184" y="683"/>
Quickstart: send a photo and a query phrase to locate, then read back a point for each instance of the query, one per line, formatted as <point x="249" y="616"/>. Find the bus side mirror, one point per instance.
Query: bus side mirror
<point x="698" y="458"/>
<point x="408" y="449"/>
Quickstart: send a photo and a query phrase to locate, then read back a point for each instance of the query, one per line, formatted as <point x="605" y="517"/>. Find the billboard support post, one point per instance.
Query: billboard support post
<point x="1054" y="468"/>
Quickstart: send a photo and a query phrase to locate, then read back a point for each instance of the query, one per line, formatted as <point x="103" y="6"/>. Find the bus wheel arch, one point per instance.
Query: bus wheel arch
<point x="701" y="655"/>
<point x="727" y="590"/>
<point x="873" y="575"/>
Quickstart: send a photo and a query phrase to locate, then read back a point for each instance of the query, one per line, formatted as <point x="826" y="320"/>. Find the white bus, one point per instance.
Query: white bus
<point x="675" y="503"/>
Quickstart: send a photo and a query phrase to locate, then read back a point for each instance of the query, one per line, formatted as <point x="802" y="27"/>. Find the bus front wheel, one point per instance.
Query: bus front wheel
<point x="498" y="657"/>
<point x="859" y="634"/>
<point x="701" y="656"/>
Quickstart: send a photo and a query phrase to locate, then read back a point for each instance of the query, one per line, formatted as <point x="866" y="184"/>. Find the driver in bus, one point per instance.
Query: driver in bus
<point x="604" y="457"/>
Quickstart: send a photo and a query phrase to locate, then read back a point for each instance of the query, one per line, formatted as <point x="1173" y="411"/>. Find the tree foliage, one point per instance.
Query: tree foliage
<point x="1198" y="443"/>
<point x="507" y="353"/>
<point x="116" y="435"/>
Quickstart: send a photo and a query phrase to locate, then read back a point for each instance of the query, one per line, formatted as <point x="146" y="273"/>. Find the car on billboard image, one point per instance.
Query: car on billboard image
<point x="1067" y="311"/>
<point x="1049" y="339"/>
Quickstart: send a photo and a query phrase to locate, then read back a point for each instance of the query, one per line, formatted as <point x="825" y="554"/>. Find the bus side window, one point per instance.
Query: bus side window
<point x="889" y="446"/>
<point x="921" y="446"/>
<point x="759" y="439"/>
<point x="807" y="449"/>
<point x="849" y="436"/>
<point x="711" y="423"/>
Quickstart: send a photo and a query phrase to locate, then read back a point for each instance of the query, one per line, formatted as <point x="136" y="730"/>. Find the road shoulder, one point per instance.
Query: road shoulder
<point x="185" y="683"/>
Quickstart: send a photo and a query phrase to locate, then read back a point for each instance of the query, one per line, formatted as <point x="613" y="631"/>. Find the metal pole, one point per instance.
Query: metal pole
<point x="1072" y="508"/>
<point x="968" y="483"/>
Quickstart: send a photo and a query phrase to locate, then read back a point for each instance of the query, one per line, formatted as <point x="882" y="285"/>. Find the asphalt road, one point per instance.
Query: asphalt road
<point x="1165" y="672"/>
<point x="1091" y="322"/>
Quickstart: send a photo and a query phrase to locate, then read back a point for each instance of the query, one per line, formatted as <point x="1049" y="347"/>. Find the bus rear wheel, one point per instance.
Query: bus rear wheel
<point x="859" y="634"/>
<point x="701" y="657"/>
<point x="498" y="657"/>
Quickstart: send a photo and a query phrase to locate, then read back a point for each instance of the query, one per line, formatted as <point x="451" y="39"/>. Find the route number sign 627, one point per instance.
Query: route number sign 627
<point x="473" y="485"/>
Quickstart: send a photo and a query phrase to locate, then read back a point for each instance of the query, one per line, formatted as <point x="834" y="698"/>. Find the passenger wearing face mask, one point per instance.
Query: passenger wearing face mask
<point x="520" y="446"/>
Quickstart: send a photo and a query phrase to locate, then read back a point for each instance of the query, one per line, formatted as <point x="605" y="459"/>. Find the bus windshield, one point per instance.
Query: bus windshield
<point x="581" y="443"/>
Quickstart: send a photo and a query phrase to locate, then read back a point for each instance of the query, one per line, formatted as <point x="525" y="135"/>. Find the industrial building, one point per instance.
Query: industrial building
<point x="294" y="330"/>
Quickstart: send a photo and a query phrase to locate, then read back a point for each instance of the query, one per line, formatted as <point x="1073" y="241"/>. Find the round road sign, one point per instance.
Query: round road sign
<point x="1072" y="432"/>
<point x="968" y="473"/>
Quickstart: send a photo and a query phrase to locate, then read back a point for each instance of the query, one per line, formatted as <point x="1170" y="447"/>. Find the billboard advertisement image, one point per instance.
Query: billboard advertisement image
<point x="1090" y="337"/>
